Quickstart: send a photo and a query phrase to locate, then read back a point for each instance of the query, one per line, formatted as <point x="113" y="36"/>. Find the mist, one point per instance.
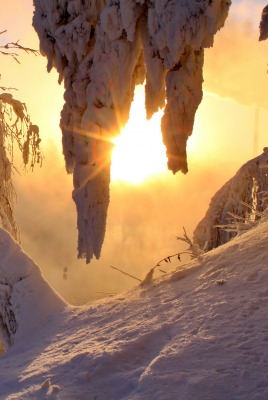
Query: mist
<point x="236" y="67"/>
<point x="143" y="222"/>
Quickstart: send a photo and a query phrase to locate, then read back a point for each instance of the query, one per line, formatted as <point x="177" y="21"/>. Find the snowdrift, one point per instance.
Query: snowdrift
<point x="26" y="300"/>
<point x="199" y="332"/>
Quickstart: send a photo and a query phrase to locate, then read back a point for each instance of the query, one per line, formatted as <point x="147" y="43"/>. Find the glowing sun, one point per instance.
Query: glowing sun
<point x="139" y="152"/>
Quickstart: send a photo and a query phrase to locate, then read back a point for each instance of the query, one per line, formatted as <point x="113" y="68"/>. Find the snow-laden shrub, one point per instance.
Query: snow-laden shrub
<point x="237" y="206"/>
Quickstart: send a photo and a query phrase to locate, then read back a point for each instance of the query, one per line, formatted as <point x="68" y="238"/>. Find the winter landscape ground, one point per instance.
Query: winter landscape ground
<point x="200" y="332"/>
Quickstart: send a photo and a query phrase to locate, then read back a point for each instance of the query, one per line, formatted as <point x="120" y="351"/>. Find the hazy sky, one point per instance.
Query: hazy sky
<point x="143" y="219"/>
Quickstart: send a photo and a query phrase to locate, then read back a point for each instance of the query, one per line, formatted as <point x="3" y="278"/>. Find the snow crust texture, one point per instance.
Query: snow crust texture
<point x="248" y="187"/>
<point x="102" y="49"/>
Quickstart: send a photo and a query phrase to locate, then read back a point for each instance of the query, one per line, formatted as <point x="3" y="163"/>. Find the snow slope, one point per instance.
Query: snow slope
<point x="198" y="333"/>
<point x="26" y="299"/>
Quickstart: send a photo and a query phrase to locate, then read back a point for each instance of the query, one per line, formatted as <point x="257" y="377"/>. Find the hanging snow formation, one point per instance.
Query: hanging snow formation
<point x="102" y="49"/>
<point x="250" y="186"/>
<point x="264" y="24"/>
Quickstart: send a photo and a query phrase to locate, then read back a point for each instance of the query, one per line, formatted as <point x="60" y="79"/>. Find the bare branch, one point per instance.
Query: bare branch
<point x="16" y="45"/>
<point x="125" y="273"/>
<point x="7" y="88"/>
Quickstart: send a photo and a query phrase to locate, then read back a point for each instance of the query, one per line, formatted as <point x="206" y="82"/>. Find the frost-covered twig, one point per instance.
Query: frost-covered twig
<point x="241" y="224"/>
<point x="253" y="210"/>
<point x="194" y="250"/>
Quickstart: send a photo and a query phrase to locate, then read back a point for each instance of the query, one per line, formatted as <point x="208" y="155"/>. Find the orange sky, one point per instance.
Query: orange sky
<point x="136" y="239"/>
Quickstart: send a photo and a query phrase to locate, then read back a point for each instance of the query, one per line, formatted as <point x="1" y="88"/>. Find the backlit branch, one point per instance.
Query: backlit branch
<point x="15" y="45"/>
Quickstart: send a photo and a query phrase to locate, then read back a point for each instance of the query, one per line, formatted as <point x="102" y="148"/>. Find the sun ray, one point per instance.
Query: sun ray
<point x="139" y="152"/>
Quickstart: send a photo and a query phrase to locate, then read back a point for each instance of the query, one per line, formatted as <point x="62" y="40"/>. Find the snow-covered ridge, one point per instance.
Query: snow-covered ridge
<point x="26" y="300"/>
<point x="102" y="49"/>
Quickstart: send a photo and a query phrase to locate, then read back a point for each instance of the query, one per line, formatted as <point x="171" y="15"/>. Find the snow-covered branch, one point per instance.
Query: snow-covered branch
<point x="102" y="49"/>
<point x="15" y="129"/>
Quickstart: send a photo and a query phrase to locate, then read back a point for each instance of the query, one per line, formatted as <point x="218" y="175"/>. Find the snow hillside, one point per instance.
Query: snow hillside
<point x="198" y="333"/>
<point x="26" y="300"/>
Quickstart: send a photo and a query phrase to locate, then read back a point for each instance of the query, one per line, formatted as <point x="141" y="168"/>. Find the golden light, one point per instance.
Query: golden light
<point x="139" y="152"/>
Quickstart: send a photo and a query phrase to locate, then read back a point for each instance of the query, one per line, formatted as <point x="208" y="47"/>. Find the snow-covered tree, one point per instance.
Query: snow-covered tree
<point x="237" y="205"/>
<point x="16" y="131"/>
<point x="21" y="283"/>
<point x="102" y="49"/>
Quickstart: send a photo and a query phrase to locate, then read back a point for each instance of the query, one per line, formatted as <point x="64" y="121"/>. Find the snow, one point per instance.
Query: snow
<point x="244" y="195"/>
<point x="263" y="24"/>
<point x="26" y="300"/>
<point x="15" y="129"/>
<point x="102" y="50"/>
<point x="199" y="332"/>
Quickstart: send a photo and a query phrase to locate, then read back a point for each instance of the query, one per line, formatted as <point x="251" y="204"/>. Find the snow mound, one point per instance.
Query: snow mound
<point x="26" y="300"/>
<point x="243" y="198"/>
<point x="199" y="332"/>
<point x="101" y="51"/>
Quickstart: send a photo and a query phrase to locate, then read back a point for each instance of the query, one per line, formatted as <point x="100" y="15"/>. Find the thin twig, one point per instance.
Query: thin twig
<point x="7" y="88"/>
<point x="167" y="259"/>
<point x="125" y="273"/>
<point x="16" y="45"/>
